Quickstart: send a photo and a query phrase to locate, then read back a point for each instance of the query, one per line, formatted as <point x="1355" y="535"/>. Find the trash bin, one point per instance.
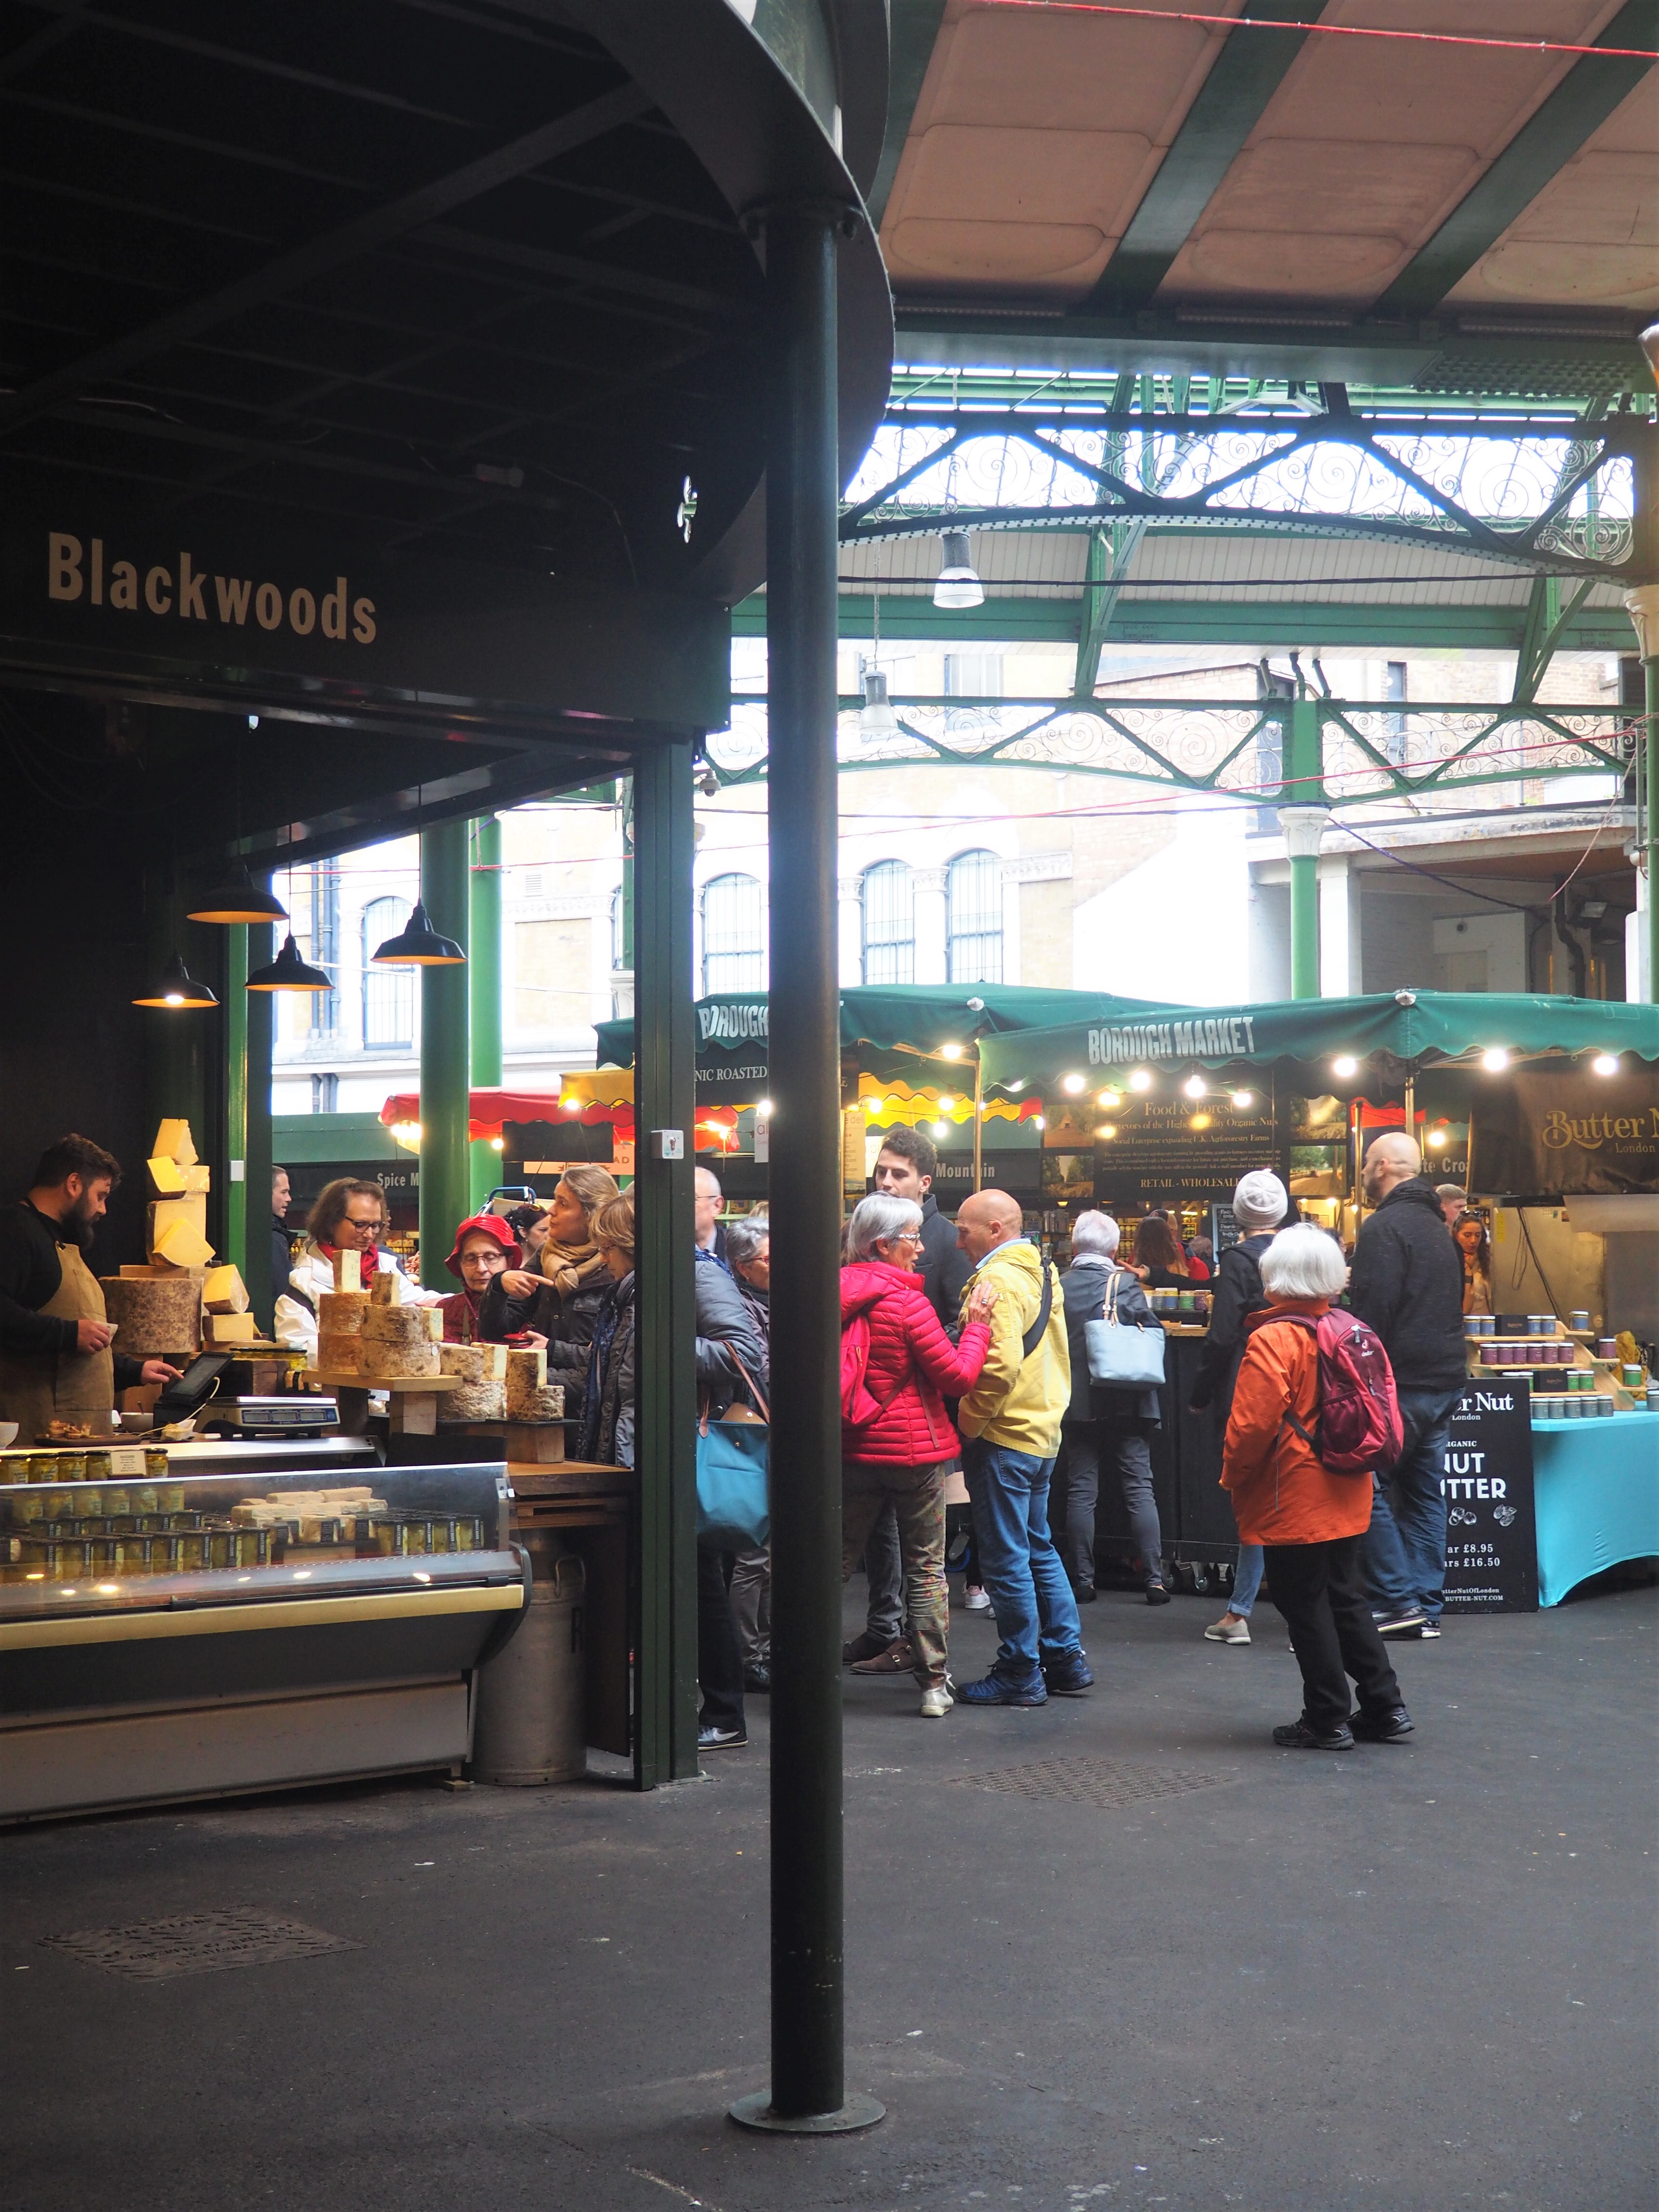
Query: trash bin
<point x="529" y="1727"/>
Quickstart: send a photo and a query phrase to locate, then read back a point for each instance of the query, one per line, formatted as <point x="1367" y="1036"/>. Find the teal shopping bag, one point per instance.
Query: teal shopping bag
<point x="733" y="1512"/>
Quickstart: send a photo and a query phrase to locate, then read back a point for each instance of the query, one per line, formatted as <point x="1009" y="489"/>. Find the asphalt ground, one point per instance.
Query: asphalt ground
<point x="1407" y="1977"/>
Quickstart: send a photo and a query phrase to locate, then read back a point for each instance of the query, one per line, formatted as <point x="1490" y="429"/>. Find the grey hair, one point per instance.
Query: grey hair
<point x="1261" y="1202"/>
<point x="1094" y="1232"/>
<point x="875" y="1219"/>
<point x="744" y="1237"/>
<point x="1304" y="1262"/>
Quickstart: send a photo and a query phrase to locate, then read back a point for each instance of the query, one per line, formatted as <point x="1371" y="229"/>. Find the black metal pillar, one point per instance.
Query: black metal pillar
<point x="665" y="1063"/>
<point x="808" y="2093"/>
<point x="262" y="1293"/>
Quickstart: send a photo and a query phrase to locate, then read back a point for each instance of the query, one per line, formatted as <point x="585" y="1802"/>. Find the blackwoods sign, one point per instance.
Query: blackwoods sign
<point x="179" y="590"/>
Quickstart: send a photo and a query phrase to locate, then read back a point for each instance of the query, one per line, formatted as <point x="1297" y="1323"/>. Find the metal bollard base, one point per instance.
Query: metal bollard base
<point x="859" y="2112"/>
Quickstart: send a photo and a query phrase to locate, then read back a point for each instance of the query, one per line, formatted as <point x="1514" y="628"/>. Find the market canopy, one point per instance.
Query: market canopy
<point x="1390" y="1034"/>
<point x="487" y="1109"/>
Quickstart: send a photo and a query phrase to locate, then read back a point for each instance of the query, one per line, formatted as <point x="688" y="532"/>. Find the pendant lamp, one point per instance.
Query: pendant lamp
<point x="238" y="899"/>
<point x="417" y="945"/>
<point x="289" y="971"/>
<point x="177" y="986"/>
<point x="958" y="584"/>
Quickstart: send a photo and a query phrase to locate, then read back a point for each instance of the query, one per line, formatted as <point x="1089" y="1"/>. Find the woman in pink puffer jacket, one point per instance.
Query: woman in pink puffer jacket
<point x="896" y="1438"/>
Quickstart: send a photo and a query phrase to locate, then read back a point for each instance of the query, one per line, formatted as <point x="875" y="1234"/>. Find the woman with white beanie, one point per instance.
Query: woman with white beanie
<point x="1260" y="1205"/>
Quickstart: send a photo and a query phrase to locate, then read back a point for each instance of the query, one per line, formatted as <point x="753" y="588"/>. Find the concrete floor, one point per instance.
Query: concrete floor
<point x="1408" y="1978"/>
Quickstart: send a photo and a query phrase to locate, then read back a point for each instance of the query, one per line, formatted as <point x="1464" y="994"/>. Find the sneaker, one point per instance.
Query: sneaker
<point x="992" y="1690"/>
<point x="1084" y="1592"/>
<point x="1069" y="1676"/>
<point x="936" y="1702"/>
<point x="720" y="1739"/>
<point x="1402" y="1625"/>
<point x="894" y="1659"/>
<point x="1393" y="1726"/>
<point x="976" y="1600"/>
<point x="757" y="1681"/>
<point x="1429" y="1631"/>
<point x="1231" y="1628"/>
<point x="1159" y="1593"/>
<point x="863" y="1645"/>
<point x="1298" y="1736"/>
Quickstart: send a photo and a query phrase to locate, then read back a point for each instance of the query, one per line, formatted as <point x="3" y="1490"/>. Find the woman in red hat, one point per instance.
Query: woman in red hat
<point x="485" y="1247"/>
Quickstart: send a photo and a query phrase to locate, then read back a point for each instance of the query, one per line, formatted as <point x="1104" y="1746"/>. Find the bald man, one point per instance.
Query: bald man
<point x="1009" y="1423"/>
<point x="1407" y="1282"/>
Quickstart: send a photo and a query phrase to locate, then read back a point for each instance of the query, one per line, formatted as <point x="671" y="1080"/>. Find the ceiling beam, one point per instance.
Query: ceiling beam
<point x="1232" y="101"/>
<point x="913" y="33"/>
<point x="1543" y="146"/>
<point x="362" y="236"/>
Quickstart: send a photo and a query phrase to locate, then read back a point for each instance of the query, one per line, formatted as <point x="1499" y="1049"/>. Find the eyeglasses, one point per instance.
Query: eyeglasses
<point x="909" y="1237"/>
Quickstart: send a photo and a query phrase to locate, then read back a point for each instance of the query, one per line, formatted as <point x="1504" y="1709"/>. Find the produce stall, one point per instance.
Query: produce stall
<point x="1546" y="1110"/>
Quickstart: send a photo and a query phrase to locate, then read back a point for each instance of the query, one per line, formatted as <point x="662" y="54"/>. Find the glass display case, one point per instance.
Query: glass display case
<point x="167" y="1634"/>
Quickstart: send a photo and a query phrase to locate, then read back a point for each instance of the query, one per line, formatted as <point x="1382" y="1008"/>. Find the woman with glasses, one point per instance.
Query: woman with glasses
<point x="897" y="1439"/>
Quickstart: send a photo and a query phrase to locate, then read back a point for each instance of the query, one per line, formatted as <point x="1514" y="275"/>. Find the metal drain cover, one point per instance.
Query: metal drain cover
<point x="1094" y="1781"/>
<point x="196" y="1943"/>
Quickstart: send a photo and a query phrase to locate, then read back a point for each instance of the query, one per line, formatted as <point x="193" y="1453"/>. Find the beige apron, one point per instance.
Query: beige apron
<point x="39" y="1387"/>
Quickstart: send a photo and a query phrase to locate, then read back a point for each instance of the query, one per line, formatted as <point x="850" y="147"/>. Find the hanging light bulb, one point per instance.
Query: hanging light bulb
<point x="289" y="971"/>
<point x="177" y="986"/>
<point x="238" y="898"/>
<point x="958" y="585"/>
<point x="876" y="718"/>
<point x="417" y="945"/>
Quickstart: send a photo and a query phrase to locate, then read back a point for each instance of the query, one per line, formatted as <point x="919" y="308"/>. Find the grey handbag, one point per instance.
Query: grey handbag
<point x="1121" y="1356"/>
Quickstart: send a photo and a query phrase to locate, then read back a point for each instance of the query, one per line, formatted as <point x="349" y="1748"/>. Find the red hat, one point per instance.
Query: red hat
<point x="492" y="1225"/>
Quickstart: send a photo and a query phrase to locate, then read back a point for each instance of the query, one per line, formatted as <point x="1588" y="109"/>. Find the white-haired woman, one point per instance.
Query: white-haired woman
<point x="1260" y="1202"/>
<point x="1310" y="1521"/>
<point x="1114" y="1426"/>
<point x="897" y="1439"/>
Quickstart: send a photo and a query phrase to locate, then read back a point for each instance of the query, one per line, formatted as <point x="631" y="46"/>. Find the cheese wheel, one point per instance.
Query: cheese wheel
<point x="339" y="1355"/>
<point x="391" y="1361"/>
<point x="473" y="1401"/>
<point x="463" y="1360"/>
<point x="395" y="1324"/>
<point x="544" y="1404"/>
<point x="340" y="1313"/>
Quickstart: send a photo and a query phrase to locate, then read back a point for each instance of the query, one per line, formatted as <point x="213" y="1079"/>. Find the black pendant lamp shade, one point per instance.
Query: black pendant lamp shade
<point x="238" y="899"/>
<point x="289" y="971"/>
<point x="417" y="945"/>
<point x="176" y="986"/>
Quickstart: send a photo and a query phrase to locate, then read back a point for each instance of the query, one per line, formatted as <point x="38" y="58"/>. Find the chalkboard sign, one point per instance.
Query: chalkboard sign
<point x="1491" y="1544"/>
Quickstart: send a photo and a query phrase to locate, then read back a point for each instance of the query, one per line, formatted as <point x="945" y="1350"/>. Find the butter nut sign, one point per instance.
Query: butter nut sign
<point x="76" y="571"/>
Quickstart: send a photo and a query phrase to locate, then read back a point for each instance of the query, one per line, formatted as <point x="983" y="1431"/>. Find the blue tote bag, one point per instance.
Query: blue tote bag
<point x="733" y="1511"/>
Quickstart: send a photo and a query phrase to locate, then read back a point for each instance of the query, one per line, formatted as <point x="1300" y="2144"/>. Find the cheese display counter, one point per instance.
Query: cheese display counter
<point x="167" y="1634"/>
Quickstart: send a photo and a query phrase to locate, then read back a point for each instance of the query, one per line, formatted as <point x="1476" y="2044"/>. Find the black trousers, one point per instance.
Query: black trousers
<point x="720" y="1659"/>
<point x="1321" y="1591"/>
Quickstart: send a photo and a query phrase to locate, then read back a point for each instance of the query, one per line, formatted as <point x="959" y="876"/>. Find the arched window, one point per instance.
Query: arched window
<point x="887" y="897"/>
<point x="973" y="917"/>
<point x="388" y="992"/>
<point x="733" y="935"/>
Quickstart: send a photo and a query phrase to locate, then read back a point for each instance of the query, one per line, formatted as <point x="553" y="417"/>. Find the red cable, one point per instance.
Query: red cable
<point x="1333" y="30"/>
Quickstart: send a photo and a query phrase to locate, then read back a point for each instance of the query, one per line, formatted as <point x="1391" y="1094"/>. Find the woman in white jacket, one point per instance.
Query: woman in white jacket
<point x="347" y="1216"/>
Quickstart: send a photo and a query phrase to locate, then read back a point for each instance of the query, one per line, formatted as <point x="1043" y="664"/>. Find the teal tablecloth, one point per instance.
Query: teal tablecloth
<point x="1596" y="1490"/>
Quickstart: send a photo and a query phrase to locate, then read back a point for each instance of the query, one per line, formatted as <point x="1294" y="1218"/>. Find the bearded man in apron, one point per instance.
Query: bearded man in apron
<point x="55" y="1364"/>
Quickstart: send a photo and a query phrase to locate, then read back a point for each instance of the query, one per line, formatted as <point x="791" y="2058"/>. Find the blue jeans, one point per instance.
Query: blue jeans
<point x="1030" y="1590"/>
<point x="1406" y="1544"/>
<point x="1246" y="1579"/>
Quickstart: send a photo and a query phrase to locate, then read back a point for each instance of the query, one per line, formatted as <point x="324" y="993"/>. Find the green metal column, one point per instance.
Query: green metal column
<point x="1302" y="813"/>
<point x="485" y="990"/>
<point x="236" y="1144"/>
<point x="1651" y="781"/>
<point x="259" y="1018"/>
<point x="444" y="1060"/>
<point x="803" y="481"/>
<point x="665" y="1075"/>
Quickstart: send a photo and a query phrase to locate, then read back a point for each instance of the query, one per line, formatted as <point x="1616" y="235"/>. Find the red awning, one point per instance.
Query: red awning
<point x="486" y="1110"/>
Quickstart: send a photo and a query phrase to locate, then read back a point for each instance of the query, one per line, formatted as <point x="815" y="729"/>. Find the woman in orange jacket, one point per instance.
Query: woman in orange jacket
<point x="1309" y="1520"/>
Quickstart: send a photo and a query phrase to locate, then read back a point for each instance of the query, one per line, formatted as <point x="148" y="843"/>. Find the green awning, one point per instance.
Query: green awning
<point x="1389" y="1034"/>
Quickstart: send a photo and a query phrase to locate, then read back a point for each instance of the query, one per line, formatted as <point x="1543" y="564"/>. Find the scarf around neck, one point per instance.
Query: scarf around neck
<point x="570" y="1268"/>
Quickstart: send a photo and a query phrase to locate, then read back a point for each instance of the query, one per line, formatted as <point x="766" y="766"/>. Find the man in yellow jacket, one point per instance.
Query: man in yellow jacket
<point x="1009" y="1423"/>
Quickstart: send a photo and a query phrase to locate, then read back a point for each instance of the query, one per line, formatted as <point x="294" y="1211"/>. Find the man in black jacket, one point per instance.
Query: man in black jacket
<point x="1407" y="1282"/>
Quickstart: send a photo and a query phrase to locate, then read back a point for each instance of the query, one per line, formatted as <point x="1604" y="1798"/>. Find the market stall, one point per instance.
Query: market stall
<point x="1545" y="1110"/>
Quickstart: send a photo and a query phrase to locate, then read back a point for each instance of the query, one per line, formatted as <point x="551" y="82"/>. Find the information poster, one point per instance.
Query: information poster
<point x="1170" y="1148"/>
<point x="1492" y="1546"/>
<point x="1551" y="1130"/>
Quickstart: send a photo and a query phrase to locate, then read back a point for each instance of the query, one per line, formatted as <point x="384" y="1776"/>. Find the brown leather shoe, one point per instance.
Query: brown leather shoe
<point x="894" y="1660"/>
<point x="862" y="1646"/>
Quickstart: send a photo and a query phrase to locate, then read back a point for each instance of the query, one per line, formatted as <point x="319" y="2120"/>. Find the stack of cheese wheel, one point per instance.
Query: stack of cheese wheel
<point x="340" y="1331"/>
<point x="530" y="1396"/>
<point x="398" y="1342"/>
<point x="480" y="1393"/>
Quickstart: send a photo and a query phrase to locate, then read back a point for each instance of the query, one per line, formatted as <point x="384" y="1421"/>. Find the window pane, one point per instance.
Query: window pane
<point x="889" y="929"/>
<point x="388" y="992"/>
<point x="973" y="894"/>
<point x="733" y="935"/>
